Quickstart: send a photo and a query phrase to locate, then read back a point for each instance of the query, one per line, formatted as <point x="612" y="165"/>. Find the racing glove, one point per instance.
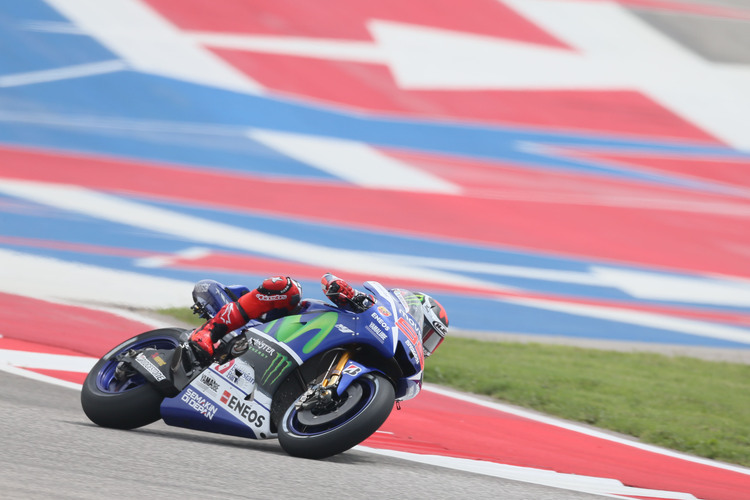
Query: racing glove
<point x="342" y="294"/>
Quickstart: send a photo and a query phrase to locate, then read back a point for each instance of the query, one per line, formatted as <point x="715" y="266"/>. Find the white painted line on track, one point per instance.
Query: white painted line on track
<point x="315" y="47"/>
<point x="62" y="362"/>
<point x="65" y="73"/>
<point x="664" y="286"/>
<point x="15" y="370"/>
<point x="65" y="282"/>
<point x="610" y="488"/>
<point x="157" y="46"/>
<point x="640" y="318"/>
<point x="354" y="161"/>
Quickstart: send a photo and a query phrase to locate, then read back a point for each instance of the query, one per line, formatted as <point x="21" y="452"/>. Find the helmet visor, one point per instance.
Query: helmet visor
<point x="431" y="340"/>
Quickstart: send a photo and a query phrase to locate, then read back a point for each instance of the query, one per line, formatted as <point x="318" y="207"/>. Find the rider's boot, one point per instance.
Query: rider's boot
<point x="275" y="297"/>
<point x="202" y="340"/>
<point x="229" y="317"/>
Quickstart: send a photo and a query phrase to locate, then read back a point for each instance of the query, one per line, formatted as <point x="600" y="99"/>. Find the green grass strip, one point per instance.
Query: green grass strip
<point x="686" y="404"/>
<point x="183" y="315"/>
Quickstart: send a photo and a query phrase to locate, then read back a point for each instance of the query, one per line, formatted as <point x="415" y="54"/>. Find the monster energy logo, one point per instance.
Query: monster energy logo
<point x="277" y="368"/>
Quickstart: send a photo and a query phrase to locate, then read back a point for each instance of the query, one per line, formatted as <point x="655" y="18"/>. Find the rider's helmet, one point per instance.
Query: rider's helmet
<point x="435" y="326"/>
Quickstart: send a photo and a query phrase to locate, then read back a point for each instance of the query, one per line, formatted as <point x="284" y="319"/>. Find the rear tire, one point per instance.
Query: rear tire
<point x="372" y="398"/>
<point x="131" y="404"/>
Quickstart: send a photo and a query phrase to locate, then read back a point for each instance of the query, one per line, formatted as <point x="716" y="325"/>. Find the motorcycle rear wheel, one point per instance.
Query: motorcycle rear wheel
<point x="369" y="401"/>
<point x="130" y="403"/>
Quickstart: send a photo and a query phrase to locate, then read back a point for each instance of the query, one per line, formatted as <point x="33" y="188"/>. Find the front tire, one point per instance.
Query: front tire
<point x="369" y="401"/>
<point x="131" y="403"/>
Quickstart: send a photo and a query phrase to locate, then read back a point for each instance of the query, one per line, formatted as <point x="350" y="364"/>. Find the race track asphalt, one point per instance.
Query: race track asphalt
<point x="51" y="450"/>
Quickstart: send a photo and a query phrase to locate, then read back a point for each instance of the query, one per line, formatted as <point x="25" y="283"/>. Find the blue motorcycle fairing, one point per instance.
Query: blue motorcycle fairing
<point x="407" y="321"/>
<point x="322" y="327"/>
<point x="384" y="326"/>
<point x="379" y="321"/>
<point x="352" y="371"/>
<point x="222" y="399"/>
<point x="195" y="410"/>
<point x="277" y="347"/>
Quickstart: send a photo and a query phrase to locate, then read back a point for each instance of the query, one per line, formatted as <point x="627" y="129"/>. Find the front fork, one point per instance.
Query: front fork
<point x="322" y="395"/>
<point x="333" y="376"/>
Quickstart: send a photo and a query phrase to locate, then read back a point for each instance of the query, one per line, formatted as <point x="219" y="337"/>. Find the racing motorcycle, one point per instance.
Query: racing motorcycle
<point x="321" y="381"/>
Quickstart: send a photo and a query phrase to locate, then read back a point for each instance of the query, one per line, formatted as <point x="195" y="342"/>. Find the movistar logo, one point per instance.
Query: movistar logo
<point x="290" y="328"/>
<point x="276" y="369"/>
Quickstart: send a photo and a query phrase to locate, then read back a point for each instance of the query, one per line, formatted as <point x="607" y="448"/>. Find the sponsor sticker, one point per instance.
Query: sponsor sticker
<point x="199" y="403"/>
<point x="412" y="349"/>
<point x="262" y="348"/>
<point x="223" y="369"/>
<point x="414" y="339"/>
<point x="379" y="320"/>
<point x="413" y="323"/>
<point x="352" y="370"/>
<point x="153" y="370"/>
<point x="158" y="359"/>
<point x="276" y="369"/>
<point x="343" y="328"/>
<point x="241" y="409"/>
<point x="270" y="298"/>
<point x="377" y="332"/>
<point x="239" y="373"/>
<point x="209" y="383"/>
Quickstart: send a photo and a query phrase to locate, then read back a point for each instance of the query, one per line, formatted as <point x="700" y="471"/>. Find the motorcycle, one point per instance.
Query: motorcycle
<point x="321" y="381"/>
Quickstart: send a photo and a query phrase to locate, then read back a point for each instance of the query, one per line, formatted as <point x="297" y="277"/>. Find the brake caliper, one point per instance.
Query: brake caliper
<point x="124" y="370"/>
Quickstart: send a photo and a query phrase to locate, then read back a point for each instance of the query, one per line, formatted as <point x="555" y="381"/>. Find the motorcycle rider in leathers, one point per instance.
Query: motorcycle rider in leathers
<point x="281" y="295"/>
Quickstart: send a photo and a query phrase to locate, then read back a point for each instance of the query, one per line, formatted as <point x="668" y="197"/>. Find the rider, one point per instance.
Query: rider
<point x="281" y="295"/>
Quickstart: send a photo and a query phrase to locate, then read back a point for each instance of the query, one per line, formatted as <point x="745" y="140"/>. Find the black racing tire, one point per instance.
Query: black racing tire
<point x="130" y="405"/>
<point x="375" y="396"/>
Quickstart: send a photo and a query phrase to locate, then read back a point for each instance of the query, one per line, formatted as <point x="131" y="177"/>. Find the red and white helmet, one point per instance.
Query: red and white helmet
<point x="435" y="326"/>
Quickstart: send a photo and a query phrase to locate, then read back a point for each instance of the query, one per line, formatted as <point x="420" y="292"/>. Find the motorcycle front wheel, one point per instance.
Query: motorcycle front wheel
<point x="363" y="408"/>
<point x="125" y="403"/>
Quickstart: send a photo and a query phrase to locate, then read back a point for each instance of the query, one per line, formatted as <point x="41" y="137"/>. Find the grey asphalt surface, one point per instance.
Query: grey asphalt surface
<point x="51" y="450"/>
